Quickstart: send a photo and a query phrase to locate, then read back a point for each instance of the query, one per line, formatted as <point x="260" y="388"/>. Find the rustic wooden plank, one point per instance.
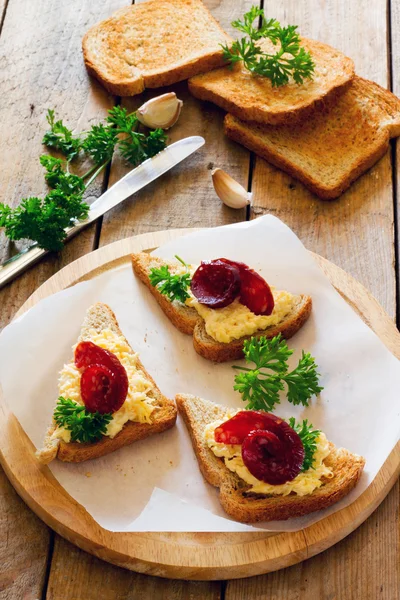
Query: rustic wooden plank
<point x="185" y="197"/>
<point x="364" y="565"/>
<point x="355" y="232"/>
<point x="24" y="542"/>
<point x="75" y="574"/>
<point x="41" y="67"/>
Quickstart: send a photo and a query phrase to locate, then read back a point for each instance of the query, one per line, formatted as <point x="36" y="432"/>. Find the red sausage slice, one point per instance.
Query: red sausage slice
<point x="240" y="425"/>
<point x="100" y="390"/>
<point x="114" y="387"/>
<point x="274" y="456"/>
<point x="255" y="292"/>
<point x="216" y="283"/>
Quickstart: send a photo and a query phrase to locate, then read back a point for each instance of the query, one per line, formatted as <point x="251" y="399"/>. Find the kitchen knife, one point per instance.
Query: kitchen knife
<point x="131" y="183"/>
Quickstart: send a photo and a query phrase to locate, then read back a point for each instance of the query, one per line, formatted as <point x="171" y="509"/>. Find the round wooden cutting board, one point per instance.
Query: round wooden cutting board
<point x="186" y="555"/>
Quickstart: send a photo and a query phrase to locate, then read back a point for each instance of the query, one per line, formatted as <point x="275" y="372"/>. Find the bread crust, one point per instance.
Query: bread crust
<point x="252" y="98"/>
<point x="112" y="42"/>
<point x="381" y="123"/>
<point x="99" y="317"/>
<point x="188" y="321"/>
<point x="233" y="492"/>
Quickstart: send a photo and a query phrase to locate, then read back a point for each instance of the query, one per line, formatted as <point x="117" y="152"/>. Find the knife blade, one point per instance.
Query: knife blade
<point x="132" y="182"/>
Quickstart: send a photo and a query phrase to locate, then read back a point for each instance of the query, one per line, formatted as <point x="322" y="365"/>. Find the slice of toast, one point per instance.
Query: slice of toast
<point x="100" y="317"/>
<point x="188" y="321"/>
<point x="248" y="508"/>
<point x="153" y="44"/>
<point x="252" y="98"/>
<point x="331" y="150"/>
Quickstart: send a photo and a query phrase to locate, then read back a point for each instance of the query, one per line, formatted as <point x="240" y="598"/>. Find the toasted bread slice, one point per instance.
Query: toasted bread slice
<point x="188" y="321"/>
<point x="252" y="98"/>
<point x="99" y="317"/>
<point x="331" y="150"/>
<point x="248" y="508"/>
<point x="153" y="44"/>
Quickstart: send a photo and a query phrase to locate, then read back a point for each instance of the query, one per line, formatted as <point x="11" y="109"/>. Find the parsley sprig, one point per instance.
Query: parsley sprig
<point x="83" y="425"/>
<point x="44" y="220"/>
<point x="290" y="59"/>
<point x="308" y="436"/>
<point x="261" y="385"/>
<point x="173" y="286"/>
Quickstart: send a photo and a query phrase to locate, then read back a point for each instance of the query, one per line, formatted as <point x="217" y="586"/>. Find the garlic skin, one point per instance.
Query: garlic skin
<point x="229" y="190"/>
<point x="161" y="112"/>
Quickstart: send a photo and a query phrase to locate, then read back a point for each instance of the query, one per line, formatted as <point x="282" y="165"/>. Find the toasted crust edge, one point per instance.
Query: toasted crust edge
<point x="165" y="417"/>
<point x="347" y="467"/>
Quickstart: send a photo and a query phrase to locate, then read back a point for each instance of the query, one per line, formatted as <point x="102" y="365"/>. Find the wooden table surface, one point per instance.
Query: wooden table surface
<point x="41" y="67"/>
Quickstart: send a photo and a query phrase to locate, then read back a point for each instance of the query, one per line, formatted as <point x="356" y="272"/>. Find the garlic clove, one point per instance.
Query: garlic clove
<point x="162" y="111"/>
<point x="229" y="190"/>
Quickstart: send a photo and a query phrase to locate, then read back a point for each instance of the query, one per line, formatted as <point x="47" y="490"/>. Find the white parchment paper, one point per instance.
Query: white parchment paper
<point x="155" y="484"/>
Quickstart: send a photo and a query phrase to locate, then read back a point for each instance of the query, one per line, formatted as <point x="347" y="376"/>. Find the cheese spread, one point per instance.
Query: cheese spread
<point x="137" y="406"/>
<point x="305" y="483"/>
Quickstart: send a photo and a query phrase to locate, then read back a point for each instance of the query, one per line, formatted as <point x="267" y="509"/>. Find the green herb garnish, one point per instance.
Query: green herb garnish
<point x="173" y="286"/>
<point x="308" y="436"/>
<point x="290" y="59"/>
<point x="44" y="220"/>
<point x="260" y="386"/>
<point x="83" y="425"/>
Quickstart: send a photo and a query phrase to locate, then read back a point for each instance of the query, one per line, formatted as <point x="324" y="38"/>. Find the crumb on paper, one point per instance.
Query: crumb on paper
<point x="88" y="474"/>
<point x="171" y="463"/>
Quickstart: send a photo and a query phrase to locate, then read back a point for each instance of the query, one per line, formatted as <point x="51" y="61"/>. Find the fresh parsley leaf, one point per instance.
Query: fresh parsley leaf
<point x="59" y="179"/>
<point x="61" y="138"/>
<point x="173" y="286"/>
<point x="100" y="142"/>
<point x="308" y="436"/>
<point x="303" y="381"/>
<point x="289" y="60"/>
<point x="43" y="220"/>
<point x="83" y="425"/>
<point x="260" y="386"/>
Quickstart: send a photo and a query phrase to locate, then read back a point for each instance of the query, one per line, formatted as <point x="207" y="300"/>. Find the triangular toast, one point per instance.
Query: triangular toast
<point x="188" y="321"/>
<point x="99" y="317"/>
<point x="347" y="469"/>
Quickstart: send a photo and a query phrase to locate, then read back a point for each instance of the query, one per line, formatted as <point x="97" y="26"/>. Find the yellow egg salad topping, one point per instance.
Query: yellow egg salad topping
<point x="305" y="483"/>
<point x="138" y="405"/>
<point x="235" y="320"/>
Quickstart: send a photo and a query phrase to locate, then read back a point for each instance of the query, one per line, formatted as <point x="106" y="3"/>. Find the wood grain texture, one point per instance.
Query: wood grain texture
<point x="355" y="231"/>
<point x="185" y="196"/>
<point x="24" y="543"/>
<point x="76" y="574"/>
<point x="41" y="68"/>
<point x="185" y="555"/>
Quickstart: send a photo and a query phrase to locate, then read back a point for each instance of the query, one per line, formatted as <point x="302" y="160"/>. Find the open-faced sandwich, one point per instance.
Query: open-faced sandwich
<point x="106" y="397"/>
<point x="221" y="303"/>
<point x="266" y="468"/>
